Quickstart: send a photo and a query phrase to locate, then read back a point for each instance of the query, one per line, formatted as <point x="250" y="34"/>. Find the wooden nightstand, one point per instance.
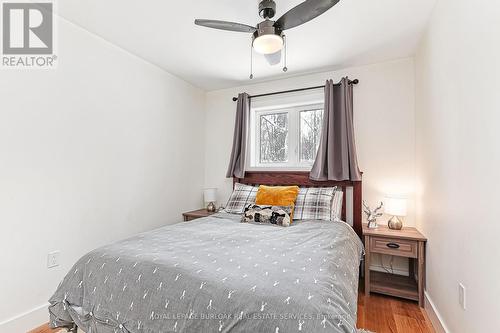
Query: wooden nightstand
<point x="409" y="243"/>
<point x="196" y="214"/>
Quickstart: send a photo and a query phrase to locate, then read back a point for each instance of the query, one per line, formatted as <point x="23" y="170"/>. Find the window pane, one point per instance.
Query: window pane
<point x="310" y="131"/>
<point x="274" y="138"/>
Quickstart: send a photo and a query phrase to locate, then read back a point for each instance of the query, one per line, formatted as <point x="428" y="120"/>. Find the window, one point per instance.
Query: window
<point x="310" y="131"/>
<point x="285" y="137"/>
<point x="273" y="138"/>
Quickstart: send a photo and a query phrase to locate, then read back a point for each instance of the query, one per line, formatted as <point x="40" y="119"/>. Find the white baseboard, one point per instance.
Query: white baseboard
<point x="434" y="316"/>
<point x="26" y="321"/>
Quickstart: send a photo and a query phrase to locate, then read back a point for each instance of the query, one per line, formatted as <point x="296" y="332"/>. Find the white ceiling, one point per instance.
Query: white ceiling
<point x="354" y="32"/>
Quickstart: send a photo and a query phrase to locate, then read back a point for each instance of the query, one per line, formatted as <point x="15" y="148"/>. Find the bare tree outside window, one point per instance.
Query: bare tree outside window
<point x="310" y="131"/>
<point x="285" y="137"/>
<point x="274" y="138"/>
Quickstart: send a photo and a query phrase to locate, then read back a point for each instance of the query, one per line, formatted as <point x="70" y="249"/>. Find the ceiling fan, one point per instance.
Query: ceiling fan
<point x="267" y="37"/>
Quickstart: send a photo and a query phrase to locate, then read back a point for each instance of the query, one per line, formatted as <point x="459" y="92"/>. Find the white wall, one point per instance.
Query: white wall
<point x="384" y="124"/>
<point x="384" y="112"/>
<point x="94" y="151"/>
<point x="458" y="158"/>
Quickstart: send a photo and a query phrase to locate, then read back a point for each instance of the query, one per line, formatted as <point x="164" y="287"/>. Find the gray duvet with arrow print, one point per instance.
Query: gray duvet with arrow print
<point x="217" y="275"/>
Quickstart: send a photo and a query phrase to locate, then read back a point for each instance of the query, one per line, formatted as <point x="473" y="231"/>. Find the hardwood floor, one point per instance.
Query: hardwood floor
<point x="44" y="329"/>
<point x="377" y="313"/>
<point x="386" y="314"/>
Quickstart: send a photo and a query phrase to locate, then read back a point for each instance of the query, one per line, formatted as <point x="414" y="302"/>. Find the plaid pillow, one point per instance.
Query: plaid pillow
<point x="242" y="196"/>
<point x="314" y="203"/>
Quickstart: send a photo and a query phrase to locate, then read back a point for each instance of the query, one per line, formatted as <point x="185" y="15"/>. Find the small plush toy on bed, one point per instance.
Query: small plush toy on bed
<point x="279" y="215"/>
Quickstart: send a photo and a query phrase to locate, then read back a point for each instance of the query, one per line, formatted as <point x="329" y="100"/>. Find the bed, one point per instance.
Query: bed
<point x="216" y="274"/>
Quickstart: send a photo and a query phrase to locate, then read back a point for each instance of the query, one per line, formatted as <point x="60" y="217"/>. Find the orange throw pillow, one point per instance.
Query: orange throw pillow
<point x="277" y="196"/>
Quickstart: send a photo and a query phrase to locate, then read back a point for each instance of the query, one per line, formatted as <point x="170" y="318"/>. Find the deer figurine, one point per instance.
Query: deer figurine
<point x="372" y="215"/>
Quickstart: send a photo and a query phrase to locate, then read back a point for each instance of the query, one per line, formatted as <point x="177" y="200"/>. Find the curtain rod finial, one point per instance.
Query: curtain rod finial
<point x="235" y="99"/>
<point x="355" y="81"/>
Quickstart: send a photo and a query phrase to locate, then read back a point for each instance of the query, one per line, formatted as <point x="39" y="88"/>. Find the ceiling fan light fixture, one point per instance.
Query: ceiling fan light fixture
<point x="268" y="38"/>
<point x="268" y="44"/>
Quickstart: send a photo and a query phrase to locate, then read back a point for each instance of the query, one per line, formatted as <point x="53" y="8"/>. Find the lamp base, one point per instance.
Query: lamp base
<point x="211" y="207"/>
<point x="395" y="223"/>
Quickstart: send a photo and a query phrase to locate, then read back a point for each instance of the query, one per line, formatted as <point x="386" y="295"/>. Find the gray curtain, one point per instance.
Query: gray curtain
<point x="336" y="158"/>
<point x="236" y="166"/>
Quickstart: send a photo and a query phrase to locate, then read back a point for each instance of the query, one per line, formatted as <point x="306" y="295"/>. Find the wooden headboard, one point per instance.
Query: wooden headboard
<point x="301" y="178"/>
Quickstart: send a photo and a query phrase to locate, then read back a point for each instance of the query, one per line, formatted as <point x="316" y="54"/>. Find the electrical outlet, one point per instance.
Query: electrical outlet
<point x="53" y="259"/>
<point x="461" y="295"/>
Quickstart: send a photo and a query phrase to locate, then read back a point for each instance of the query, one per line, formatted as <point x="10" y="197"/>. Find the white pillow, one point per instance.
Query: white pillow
<point x="337" y="206"/>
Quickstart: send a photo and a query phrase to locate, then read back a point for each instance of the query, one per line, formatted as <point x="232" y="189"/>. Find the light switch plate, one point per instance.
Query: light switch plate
<point x="461" y="295"/>
<point x="53" y="259"/>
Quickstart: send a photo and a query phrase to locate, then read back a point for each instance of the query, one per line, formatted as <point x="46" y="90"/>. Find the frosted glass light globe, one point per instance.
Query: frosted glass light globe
<point x="268" y="44"/>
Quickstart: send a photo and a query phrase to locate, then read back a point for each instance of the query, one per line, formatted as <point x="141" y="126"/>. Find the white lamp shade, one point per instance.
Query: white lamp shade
<point x="395" y="206"/>
<point x="210" y="194"/>
<point x="268" y="44"/>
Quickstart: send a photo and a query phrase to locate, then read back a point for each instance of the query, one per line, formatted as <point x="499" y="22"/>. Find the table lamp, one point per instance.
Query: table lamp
<point x="396" y="207"/>
<point x="210" y="196"/>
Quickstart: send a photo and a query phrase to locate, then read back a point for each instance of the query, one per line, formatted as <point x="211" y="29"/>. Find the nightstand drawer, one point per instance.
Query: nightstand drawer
<point x="396" y="247"/>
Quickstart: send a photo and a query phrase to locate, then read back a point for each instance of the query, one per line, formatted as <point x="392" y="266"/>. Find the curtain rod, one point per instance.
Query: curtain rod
<point x="355" y="81"/>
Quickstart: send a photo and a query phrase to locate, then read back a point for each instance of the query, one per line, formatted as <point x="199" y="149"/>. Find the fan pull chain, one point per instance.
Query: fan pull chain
<point x="285" y="42"/>
<point x="251" y="60"/>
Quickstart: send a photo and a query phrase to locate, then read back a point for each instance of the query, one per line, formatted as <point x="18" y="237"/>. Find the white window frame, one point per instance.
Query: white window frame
<point x="293" y="163"/>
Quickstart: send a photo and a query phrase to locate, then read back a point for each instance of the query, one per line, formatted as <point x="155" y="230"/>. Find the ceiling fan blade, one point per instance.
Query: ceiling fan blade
<point x="224" y="25"/>
<point x="304" y="12"/>
<point x="273" y="58"/>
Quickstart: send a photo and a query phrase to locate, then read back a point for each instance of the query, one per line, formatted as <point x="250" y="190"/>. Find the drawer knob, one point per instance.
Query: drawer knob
<point x="393" y="245"/>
